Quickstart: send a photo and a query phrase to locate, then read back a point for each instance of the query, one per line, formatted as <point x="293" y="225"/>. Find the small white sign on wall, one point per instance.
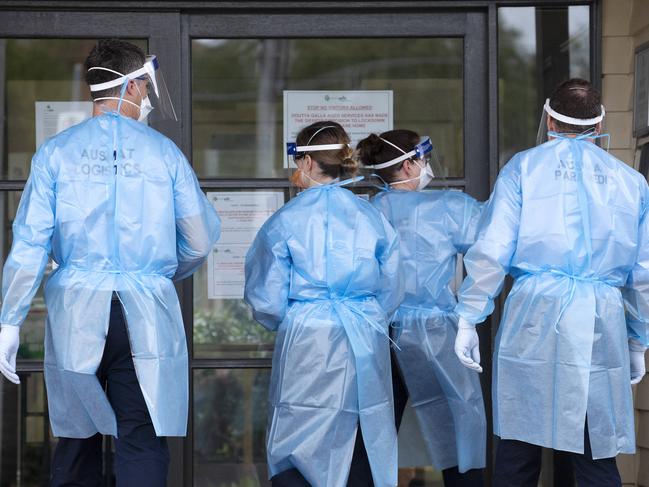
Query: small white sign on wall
<point x="242" y="214"/>
<point x="53" y="117"/>
<point x="359" y="112"/>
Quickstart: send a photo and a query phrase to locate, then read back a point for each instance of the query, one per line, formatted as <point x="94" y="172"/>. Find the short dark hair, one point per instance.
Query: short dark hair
<point x="115" y="54"/>
<point x="374" y="150"/>
<point x="576" y="98"/>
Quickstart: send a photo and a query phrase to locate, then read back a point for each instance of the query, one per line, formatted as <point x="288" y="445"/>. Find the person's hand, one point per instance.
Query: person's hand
<point x="9" y="341"/>
<point x="467" y="345"/>
<point x="636" y="355"/>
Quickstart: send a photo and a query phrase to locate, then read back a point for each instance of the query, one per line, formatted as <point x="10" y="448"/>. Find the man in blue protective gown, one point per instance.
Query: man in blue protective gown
<point x="569" y="222"/>
<point x="117" y="207"/>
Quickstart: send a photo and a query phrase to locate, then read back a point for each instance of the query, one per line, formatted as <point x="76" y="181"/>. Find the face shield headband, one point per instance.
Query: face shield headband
<point x="424" y="147"/>
<point x="292" y="149"/>
<point x="149" y="72"/>
<point x="543" y="133"/>
<point x="570" y="120"/>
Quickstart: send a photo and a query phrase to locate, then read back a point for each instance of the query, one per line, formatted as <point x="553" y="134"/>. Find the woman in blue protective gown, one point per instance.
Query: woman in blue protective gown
<point x="434" y="226"/>
<point x="324" y="273"/>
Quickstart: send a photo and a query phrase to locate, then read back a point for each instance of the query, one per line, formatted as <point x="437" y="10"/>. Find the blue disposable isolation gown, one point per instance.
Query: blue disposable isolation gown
<point x="569" y="222"/>
<point x="129" y="226"/>
<point x="434" y="227"/>
<point x="324" y="272"/>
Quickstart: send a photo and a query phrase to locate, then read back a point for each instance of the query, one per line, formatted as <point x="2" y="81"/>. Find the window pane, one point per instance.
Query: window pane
<point x="38" y="70"/>
<point x="238" y="84"/>
<point x="224" y="328"/>
<point x="26" y="442"/>
<point x="230" y="427"/>
<point x="538" y="47"/>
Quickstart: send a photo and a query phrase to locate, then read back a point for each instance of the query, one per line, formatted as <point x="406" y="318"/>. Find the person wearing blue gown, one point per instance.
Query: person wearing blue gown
<point x="434" y="227"/>
<point x="323" y="272"/>
<point x="117" y="207"/>
<point x="569" y="222"/>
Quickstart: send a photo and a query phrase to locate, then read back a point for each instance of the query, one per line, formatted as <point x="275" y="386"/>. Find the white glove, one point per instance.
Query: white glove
<point x="467" y="345"/>
<point x="9" y="341"/>
<point x="636" y="354"/>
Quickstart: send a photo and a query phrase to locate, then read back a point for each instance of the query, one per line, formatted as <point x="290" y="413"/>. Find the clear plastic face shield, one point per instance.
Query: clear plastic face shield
<point x="423" y="155"/>
<point x="149" y="82"/>
<point x="544" y="133"/>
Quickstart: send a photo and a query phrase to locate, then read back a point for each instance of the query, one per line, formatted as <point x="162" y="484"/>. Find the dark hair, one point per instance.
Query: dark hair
<point x="576" y="98"/>
<point x="335" y="163"/>
<point x="372" y="150"/>
<point x="115" y="54"/>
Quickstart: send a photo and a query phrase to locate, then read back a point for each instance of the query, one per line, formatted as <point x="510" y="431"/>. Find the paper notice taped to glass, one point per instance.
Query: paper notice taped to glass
<point x="242" y="214"/>
<point x="360" y="112"/>
<point x="53" y="117"/>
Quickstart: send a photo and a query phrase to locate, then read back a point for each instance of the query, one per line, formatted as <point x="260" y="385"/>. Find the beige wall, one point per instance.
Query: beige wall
<point x="626" y="26"/>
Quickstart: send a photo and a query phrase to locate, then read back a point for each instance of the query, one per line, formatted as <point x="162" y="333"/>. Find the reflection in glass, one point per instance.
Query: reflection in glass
<point x="538" y="47"/>
<point x="237" y="86"/>
<point x="230" y="427"/>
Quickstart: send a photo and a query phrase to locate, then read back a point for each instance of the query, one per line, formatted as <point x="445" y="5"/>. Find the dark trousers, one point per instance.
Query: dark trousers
<point x="360" y="474"/>
<point x="518" y="464"/>
<point x="141" y="457"/>
<point x="452" y="476"/>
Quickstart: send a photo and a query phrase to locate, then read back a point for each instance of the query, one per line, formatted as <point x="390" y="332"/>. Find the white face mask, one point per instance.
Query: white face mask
<point x="145" y="106"/>
<point x="426" y="175"/>
<point x="145" y="109"/>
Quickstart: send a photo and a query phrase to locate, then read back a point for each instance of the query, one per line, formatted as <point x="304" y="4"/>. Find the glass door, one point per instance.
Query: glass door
<point x="41" y="70"/>
<point x="241" y="65"/>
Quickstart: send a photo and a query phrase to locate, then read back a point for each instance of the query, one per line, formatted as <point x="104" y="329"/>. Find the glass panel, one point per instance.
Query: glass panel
<point x="538" y="47"/>
<point x="237" y="94"/>
<point x="37" y="70"/>
<point x="26" y="441"/>
<point x="32" y="333"/>
<point x="230" y="427"/>
<point x="224" y="328"/>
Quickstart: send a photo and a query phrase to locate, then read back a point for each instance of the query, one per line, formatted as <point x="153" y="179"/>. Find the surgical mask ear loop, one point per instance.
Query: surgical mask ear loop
<point x="422" y="171"/>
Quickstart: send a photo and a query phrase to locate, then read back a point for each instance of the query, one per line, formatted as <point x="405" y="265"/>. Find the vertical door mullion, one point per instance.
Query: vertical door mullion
<point x="165" y="41"/>
<point x="479" y="153"/>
